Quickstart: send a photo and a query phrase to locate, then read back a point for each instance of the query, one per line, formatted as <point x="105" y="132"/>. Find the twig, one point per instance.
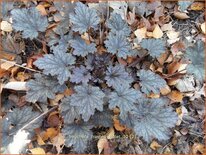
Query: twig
<point x="38" y="117"/>
<point x="33" y="70"/>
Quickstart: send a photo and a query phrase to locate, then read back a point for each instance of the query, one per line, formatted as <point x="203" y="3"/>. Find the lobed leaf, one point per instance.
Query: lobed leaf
<point x="117" y="76"/>
<point x="77" y="135"/>
<point x="42" y="87"/>
<point x="197" y="55"/>
<point x="69" y="112"/>
<point x="155" y="47"/>
<point x="150" y="82"/>
<point x="81" y="48"/>
<point x="87" y="98"/>
<point x="56" y="64"/>
<point x="29" y="21"/>
<point x="118" y="25"/>
<point x="124" y="98"/>
<point x="118" y="44"/>
<point x="152" y="118"/>
<point x="80" y="74"/>
<point x="84" y="18"/>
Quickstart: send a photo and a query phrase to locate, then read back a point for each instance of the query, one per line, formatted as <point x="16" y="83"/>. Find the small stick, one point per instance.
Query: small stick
<point x="33" y="70"/>
<point x="38" y="117"/>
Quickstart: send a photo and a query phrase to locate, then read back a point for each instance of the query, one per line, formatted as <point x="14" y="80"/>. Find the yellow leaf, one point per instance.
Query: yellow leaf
<point x="154" y="145"/>
<point x="102" y="142"/>
<point x="157" y="33"/>
<point x="37" y="150"/>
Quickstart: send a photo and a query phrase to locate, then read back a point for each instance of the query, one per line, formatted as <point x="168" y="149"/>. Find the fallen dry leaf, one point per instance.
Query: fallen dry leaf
<point x="117" y="125"/>
<point x="157" y="33"/>
<point x="49" y="133"/>
<point x="203" y="27"/>
<point x="41" y="9"/>
<point x="167" y="27"/>
<point x="6" y="26"/>
<point x="152" y="95"/>
<point x="155" y="145"/>
<point x="198" y="148"/>
<point x="102" y="143"/>
<point x="58" y="141"/>
<point x="37" y="150"/>
<point x="165" y="91"/>
<point x="40" y="140"/>
<point x="140" y="33"/>
<point x="173" y="36"/>
<point x="175" y="96"/>
<point x="15" y="86"/>
<point x="6" y="65"/>
<point x="110" y="133"/>
<point x="181" y="15"/>
<point x="197" y="6"/>
<point x="177" y="47"/>
<point x="56" y="100"/>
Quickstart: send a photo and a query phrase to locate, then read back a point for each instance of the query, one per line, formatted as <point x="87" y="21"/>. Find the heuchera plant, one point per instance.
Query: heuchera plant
<point x="99" y="84"/>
